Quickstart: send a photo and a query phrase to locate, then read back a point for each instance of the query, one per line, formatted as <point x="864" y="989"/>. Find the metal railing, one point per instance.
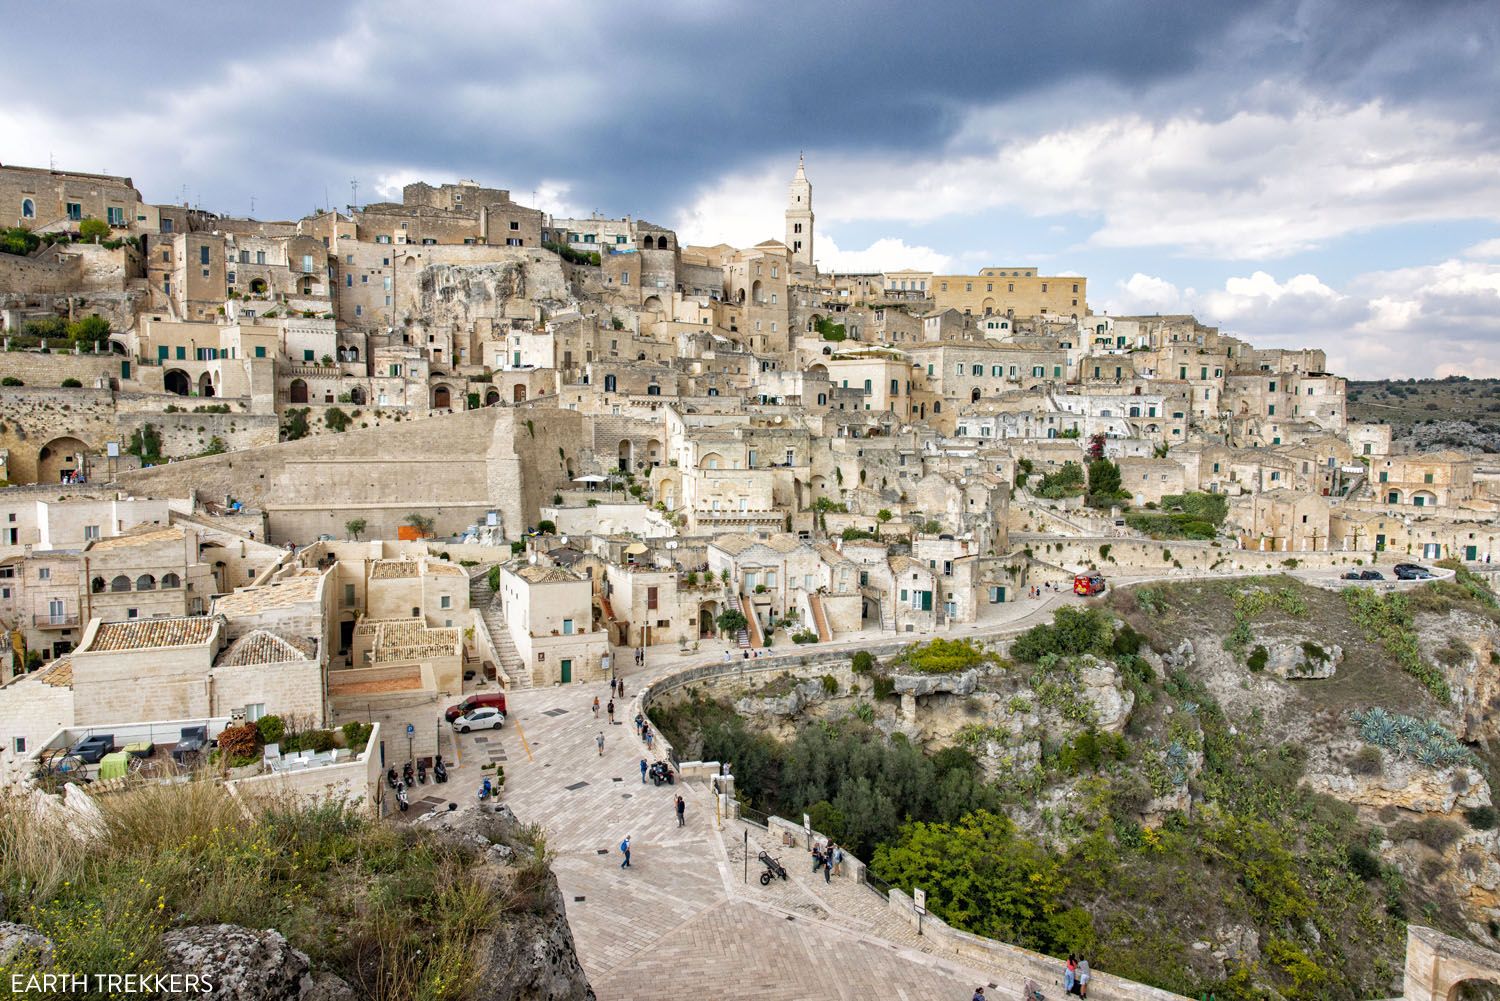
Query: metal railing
<point x="50" y="621"/>
<point x="754" y="816"/>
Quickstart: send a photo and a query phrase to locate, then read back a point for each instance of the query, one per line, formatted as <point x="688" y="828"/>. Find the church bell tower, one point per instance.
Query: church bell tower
<point x="799" y="217"/>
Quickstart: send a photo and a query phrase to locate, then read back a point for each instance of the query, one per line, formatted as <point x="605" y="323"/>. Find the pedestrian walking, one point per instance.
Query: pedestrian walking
<point x="828" y="865"/>
<point x="978" y="994"/>
<point x="596" y="707"/>
<point x="643" y="771"/>
<point x="1084" y="976"/>
<point x="681" y="811"/>
<point x="838" y="860"/>
<point x="625" y="850"/>
<point x="600" y="741"/>
<point x="611" y="710"/>
<point x="650" y="739"/>
<point x="639" y="721"/>
<point x="622" y="688"/>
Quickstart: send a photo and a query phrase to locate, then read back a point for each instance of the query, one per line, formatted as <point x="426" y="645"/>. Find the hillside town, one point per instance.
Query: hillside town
<point x="350" y="470"/>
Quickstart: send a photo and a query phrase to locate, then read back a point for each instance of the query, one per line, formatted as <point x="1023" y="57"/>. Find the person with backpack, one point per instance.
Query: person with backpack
<point x="600" y="741"/>
<point x="643" y="771"/>
<point x="596" y="707"/>
<point x="611" y="710"/>
<point x="625" y="848"/>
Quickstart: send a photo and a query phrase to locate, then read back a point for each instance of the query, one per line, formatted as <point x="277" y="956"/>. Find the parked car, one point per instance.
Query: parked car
<point x="1088" y="584"/>
<point x="1411" y="571"/>
<point x="91" y="749"/>
<point x="495" y="700"/>
<point x="1364" y="575"/>
<point x="483" y="718"/>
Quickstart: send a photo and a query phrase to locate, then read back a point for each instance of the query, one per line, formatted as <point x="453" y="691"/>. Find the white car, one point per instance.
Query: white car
<point x="483" y="718"/>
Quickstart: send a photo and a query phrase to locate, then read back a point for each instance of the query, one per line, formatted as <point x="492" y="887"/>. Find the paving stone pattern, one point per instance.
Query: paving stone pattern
<point x="681" y="922"/>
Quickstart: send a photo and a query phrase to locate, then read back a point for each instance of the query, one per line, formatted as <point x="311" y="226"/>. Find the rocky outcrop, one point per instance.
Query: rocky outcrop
<point x="23" y="940"/>
<point x="528" y="954"/>
<point x="1101" y="688"/>
<point x="1298" y="658"/>
<point x="783" y="706"/>
<point x="246" y="965"/>
<point x="932" y="684"/>
<point x="1401" y="782"/>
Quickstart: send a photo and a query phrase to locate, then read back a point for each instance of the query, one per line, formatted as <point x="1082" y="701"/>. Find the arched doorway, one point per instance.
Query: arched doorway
<point x="176" y="381"/>
<point x="442" y="398"/>
<point x="357" y="396"/>
<point x="626" y="452"/>
<point x="205" y="385"/>
<point x="257" y="286"/>
<point x="518" y="394"/>
<point x="708" y="611"/>
<point x="61" y="458"/>
<point x="492" y="397"/>
<point x="652" y="303"/>
<point x="757" y="295"/>
<point x="974" y="395"/>
<point x="661" y="243"/>
<point x="298" y="391"/>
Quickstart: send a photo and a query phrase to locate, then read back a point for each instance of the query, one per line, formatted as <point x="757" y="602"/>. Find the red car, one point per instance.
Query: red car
<point x="494" y="699"/>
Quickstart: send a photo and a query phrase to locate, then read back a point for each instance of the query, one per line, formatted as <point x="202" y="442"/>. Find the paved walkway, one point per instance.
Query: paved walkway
<point x="680" y="922"/>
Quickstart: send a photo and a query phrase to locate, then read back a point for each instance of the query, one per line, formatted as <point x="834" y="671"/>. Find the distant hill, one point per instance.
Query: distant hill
<point x="1456" y="412"/>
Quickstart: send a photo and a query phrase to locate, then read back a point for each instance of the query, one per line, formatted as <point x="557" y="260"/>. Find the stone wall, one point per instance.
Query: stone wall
<point x="37" y="369"/>
<point x="452" y="468"/>
<point x="1140" y="554"/>
<point x="23" y="274"/>
<point x="293" y="689"/>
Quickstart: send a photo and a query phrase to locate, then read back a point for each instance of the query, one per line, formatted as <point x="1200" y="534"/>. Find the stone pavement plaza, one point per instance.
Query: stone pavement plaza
<point x="681" y="922"/>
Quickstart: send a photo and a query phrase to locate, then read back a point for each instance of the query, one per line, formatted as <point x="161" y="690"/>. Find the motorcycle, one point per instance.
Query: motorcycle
<point x="401" y="797"/>
<point x="485" y="790"/>
<point x="440" y="770"/>
<point x="390" y="777"/>
<point x="406" y="775"/>
<point x="422" y="772"/>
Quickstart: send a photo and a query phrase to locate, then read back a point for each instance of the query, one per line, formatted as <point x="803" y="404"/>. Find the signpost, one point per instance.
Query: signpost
<point x="919" y="898"/>
<point x="807" y="828"/>
<point x="411" y="737"/>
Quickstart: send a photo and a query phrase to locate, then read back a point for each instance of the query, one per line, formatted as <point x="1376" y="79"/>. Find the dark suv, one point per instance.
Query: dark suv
<point x="1411" y="571"/>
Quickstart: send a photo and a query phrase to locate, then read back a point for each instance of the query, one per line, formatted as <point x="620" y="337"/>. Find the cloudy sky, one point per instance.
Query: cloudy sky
<point x="1302" y="172"/>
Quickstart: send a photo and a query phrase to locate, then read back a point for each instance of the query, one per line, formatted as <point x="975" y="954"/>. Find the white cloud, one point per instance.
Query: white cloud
<point x="1441" y="319"/>
<point x="1489" y="250"/>
<point x="1258" y="184"/>
<point x="886" y="254"/>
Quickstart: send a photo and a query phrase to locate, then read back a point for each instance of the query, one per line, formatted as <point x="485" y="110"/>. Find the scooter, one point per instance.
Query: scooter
<point x="390" y="777"/>
<point x="484" y="790"/>
<point x="422" y="772"/>
<point x="406" y="775"/>
<point x="401" y="797"/>
<point x="439" y="770"/>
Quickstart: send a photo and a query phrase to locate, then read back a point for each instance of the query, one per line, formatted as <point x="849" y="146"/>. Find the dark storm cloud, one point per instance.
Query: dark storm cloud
<point x="636" y="104"/>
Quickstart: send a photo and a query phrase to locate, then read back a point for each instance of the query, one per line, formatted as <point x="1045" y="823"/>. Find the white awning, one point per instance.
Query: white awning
<point x="591" y="478"/>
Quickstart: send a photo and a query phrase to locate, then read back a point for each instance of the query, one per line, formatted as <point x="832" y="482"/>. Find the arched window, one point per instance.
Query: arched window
<point x="28" y="208"/>
<point x="120" y="583"/>
<point x="145" y="582"/>
<point x="170" y="580"/>
<point x="97" y="585"/>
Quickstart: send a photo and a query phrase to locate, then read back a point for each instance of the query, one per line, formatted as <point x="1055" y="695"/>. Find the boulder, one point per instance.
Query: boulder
<point x="932" y="684"/>
<point x="1302" y="659"/>
<point x="18" y="940"/>
<point x="1100" y="684"/>
<point x="1403" y="783"/>
<point x="242" y="964"/>
<point x="1180" y="658"/>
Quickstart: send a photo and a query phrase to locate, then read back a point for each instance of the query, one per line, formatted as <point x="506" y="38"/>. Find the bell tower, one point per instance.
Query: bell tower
<point x="799" y="217"/>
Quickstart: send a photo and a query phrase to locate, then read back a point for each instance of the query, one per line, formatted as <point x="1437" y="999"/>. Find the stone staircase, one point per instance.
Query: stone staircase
<point x="820" y="619"/>
<point x="487" y="603"/>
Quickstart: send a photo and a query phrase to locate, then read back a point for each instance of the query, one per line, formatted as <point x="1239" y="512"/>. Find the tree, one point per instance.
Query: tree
<point x="421" y="523"/>
<point x="294" y="424"/>
<point x="1104" y="483"/>
<point x="1066" y="482"/>
<point x="90" y="328"/>
<point x="983" y="877"/>
<point x="883" y="516"/>
<point x="1096" y="446"/>
<point x="93" y="230"/>
<point x="18" y="240"/>
<point x="731" y="621"/>
<point x="546" y="527"/>
<point x="354" y="526"/>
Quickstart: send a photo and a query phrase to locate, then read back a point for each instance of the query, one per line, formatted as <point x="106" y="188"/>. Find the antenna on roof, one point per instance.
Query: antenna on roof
<point x="354" y="192"/>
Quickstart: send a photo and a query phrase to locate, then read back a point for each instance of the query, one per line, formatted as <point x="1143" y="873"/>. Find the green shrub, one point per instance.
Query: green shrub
<point x="357" y="735"/>
<point x="272" y="728"/>
<point x="1481" y="818"/>
<point x="830" y="684"/>
<point x="884" y="686"/>
<point x="1072" y="632"/>
<point x="804" y="636"/>
<point x="945" y="656"/>
<point x="71" y="384"/>
<point x="1258" y="659"/>
<point x="862" y="663"/>
<point x="1362" y="862"/>
<point x="11" y="380"/>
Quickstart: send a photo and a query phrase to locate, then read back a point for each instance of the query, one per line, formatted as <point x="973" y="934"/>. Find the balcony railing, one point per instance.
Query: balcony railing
<point x="61" y="620"/>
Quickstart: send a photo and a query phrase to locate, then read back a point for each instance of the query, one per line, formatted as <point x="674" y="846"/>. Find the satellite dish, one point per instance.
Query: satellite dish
<point x="564" y="539"/>
<point x="532" y="559"/>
